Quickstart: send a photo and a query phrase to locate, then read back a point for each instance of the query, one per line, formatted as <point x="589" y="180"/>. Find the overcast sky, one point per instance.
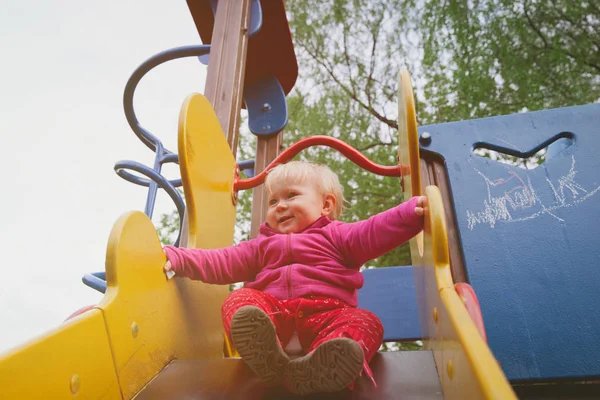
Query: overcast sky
<point x="63" y="68"/>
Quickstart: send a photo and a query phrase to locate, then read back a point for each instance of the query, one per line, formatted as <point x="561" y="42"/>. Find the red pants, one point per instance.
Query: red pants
<point x="315" y="319"/>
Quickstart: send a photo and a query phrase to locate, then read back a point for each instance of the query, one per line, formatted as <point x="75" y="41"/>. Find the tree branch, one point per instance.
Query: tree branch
<point x="348" y="64"/>
<point x="353" y="96"/>
<point x="369" y="82"/>
<point x="549" y="46"/>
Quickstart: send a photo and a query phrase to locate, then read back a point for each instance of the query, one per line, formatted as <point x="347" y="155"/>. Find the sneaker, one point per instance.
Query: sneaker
<point x="332" y="366"/>
<point x="254" y="336"/>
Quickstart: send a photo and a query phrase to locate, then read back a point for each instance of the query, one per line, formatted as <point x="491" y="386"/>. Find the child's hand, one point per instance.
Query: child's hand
<point x="422" y="204"/>
<point x="169" y="270"/>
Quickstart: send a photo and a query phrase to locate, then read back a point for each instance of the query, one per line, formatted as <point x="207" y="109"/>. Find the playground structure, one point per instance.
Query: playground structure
<point x="520" y="239"/>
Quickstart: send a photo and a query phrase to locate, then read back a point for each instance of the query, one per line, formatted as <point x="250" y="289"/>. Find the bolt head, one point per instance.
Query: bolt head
<point x="425" y="139"/>
<point x="450" y="369"/>
<point x="75" y="384"/>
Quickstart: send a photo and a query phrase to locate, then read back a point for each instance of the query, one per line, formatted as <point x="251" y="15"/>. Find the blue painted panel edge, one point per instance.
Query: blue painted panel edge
<point x="543" y="337"/>
<point x="389" y="292"/>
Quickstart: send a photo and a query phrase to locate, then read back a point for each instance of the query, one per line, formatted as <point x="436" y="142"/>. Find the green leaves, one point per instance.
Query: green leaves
<point x="500" y="57"/>
<point x="168" y="228"/>
<point x="468" y="59"/>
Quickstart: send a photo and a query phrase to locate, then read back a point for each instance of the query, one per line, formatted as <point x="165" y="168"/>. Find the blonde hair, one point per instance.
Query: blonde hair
<point x="322" y="176"/>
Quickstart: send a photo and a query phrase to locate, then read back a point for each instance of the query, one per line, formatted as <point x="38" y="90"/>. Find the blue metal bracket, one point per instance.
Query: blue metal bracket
<point x="163" y="155"/>
<point x="267" y="107"/>
<point x="155" y="179"/>
<point x="172" y="54"/>
<point x="256" y="21"/>
<point x="95" y="280"/>
<point x="247" y="167"/>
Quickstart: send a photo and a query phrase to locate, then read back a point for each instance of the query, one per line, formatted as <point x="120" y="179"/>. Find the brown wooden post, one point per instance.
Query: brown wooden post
<point x="226" y="68"/>
<point x="266" y="150"/>
<point x="225" y="79"/>
<point x="433" y="172"/>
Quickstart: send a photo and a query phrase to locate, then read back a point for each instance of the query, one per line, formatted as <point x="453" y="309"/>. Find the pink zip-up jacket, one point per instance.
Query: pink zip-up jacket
<point x="322" y="260"/>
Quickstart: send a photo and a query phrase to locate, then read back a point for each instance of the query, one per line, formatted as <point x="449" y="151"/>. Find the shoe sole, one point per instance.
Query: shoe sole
<point x="255" y="338"/>
<point x="333" y="366"/>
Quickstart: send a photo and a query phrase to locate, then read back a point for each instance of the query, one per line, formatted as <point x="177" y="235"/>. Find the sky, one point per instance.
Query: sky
<point x="63" y="69"/>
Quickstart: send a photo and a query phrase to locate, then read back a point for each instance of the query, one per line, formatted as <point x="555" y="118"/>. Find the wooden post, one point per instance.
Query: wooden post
<point x="225" y="78"/>
<point x="266" y="150"/>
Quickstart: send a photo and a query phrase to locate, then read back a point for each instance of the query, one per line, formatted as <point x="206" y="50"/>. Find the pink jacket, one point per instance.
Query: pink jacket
<point x="322" y="260"/>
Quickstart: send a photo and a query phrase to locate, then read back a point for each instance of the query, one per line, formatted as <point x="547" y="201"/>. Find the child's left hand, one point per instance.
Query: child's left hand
<point x="422" y="204"/>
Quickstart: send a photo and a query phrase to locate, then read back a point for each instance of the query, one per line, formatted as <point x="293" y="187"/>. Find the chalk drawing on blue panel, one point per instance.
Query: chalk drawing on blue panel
<point x="518" y="195"/>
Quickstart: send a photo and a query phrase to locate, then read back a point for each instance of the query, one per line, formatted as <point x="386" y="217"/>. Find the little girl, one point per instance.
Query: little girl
<point x="301" y="277"/>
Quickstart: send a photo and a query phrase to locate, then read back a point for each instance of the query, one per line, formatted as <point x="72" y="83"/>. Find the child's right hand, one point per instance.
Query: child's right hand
<point x="168" y="268"/>
<point x="421" y="207"/>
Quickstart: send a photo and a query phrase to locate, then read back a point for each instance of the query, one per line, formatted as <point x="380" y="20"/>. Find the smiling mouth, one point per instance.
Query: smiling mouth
<point x="284" y="219"/>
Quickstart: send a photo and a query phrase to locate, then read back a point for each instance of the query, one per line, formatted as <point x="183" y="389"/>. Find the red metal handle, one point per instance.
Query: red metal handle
<point x="469" y="298"/>
<point x="345" y="149"/>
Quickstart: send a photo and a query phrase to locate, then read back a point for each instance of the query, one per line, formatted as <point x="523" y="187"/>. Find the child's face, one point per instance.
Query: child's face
<point x="293" y="207"/>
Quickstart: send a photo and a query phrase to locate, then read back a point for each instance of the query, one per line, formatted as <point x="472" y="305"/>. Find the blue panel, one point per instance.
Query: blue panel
<point x="267" y="107"/>
<point x="531" y="237"/>
<point x="390" y="294"/>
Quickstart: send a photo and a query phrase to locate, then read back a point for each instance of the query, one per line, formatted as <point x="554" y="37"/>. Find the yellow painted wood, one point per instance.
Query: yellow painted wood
<point x="74" y="357"/>
<point x="435" y="229"/>
<point x="472" y="358"/>
<point x="432" y="317"/>
<point x="408" y="150"/>
<point x="466" y="366"/>
<point x="150" y="320"/>
<point x="207" y="173"/>
<point x="208" y="182"/>
<point x="428" y="303"/>
<point x="408" y="147"/>
<point x="433" y="265"/>
<point x="229" y="350"/>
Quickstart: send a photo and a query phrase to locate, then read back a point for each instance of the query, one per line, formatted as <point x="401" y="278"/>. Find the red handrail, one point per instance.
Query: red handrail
<point x="345" y="149"/>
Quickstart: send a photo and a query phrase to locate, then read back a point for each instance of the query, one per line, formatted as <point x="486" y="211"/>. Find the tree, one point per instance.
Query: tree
<point x="500" y="56"/>
<point x="468" y="59"/>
